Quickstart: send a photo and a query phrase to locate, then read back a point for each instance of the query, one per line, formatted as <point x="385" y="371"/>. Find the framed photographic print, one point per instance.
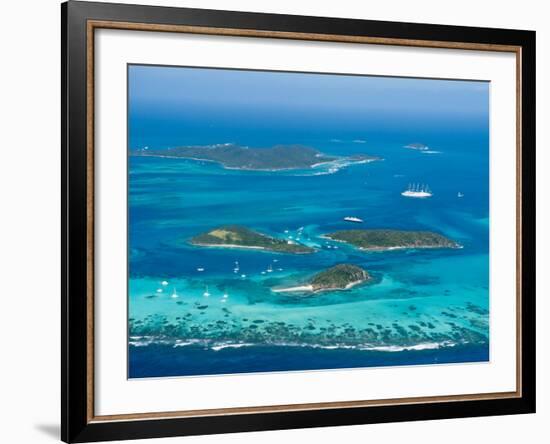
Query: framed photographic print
<point x="275" y="221"/>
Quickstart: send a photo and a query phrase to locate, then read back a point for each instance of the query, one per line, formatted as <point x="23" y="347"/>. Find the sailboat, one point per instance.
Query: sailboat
<point x="269" y="268"/>
<point x="206" y="294"/>
<point x="175" y="293"/>
<point x="417" y="190"/>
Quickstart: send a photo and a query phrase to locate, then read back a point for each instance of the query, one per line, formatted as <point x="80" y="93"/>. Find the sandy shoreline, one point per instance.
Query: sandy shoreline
<point x="164" y="156"/>
<point x="397" y="247"/>
<point x="315" y="165"/>
<point x="402" y="247"/>
<point x="309" y="288"/>
<point x="298" y="288"/>
<point x="247" y="247"/>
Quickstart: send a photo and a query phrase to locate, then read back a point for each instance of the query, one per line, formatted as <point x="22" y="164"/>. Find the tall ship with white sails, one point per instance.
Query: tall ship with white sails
<point x="417" y="190"/>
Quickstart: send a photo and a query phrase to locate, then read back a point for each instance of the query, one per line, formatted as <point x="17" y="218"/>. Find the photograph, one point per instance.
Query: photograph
<point x="286" y="221"/>
<point x="275" y="222"/>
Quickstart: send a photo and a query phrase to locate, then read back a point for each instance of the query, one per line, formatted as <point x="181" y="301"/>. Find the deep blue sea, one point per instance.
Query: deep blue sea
<point x="422" y="307"/>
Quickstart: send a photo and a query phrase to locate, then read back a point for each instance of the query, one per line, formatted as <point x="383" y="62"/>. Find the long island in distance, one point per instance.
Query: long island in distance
<point x="282" y="221"/>
<point x="279" y="157"/>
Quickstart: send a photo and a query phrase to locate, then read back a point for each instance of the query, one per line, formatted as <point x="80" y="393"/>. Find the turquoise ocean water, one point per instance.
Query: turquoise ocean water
<point x="422" y="307"/>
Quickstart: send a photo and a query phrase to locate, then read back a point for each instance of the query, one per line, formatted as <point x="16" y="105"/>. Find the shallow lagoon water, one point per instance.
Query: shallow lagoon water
<point x="422" y="306"/>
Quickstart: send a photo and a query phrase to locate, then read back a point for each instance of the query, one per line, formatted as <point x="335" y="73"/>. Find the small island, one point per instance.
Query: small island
<point x="236" y="236"/>
<point x="340" y="277"/>
<point x="232" y="156"/>
<point x="381" y="240"/>
<point x="417" y="146"/>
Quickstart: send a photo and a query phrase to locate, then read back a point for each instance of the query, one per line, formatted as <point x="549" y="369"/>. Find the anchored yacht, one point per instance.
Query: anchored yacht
<point x="417" y="190"/>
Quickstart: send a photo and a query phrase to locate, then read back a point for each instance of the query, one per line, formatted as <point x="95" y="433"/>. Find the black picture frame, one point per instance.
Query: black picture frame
<point x="76" y="423"/>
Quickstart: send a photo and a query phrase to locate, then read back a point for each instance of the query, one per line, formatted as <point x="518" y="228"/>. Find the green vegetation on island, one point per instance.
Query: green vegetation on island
<point x="339" y="277"/>
<point x="232" y="156"/>
<point x="236" y="236"/>
<point x="378" y="240"/>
